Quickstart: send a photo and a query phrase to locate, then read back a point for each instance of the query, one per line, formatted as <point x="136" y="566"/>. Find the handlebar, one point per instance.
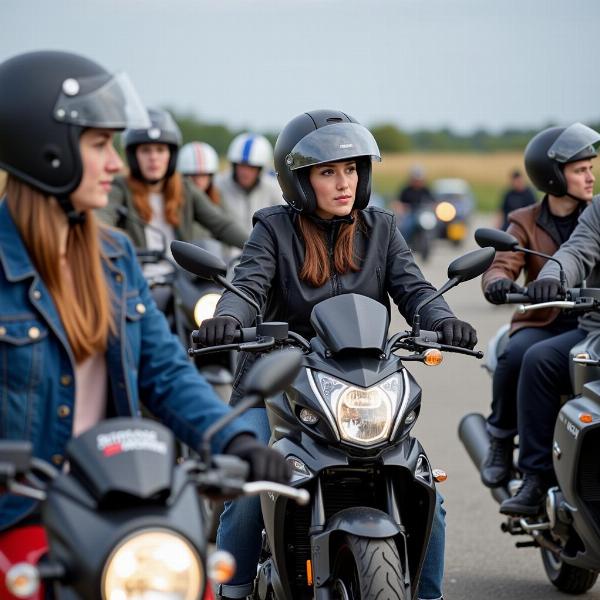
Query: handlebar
<point x="253" y="488"/>
<point x="517" y="298"/>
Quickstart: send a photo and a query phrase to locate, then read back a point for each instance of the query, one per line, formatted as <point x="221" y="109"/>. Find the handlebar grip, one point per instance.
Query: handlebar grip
<point x="245" y="334"/>
<point x="517" y="298"/>
<point x="430" y="336"/>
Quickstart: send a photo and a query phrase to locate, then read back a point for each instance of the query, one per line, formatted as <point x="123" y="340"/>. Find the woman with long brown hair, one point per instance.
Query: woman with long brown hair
<point x="325" y="243"/>
<point x="81" y="339"/>
<point x="154" y="193"/>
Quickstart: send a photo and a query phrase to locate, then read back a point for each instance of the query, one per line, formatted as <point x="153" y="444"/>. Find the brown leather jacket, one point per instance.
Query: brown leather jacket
<point x="534" y="227"/>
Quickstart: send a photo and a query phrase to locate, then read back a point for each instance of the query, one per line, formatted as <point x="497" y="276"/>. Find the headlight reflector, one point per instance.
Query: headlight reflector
<point x="153" y="565"/>
<point x="363" y="415"/>
<point x="205" y="307"/>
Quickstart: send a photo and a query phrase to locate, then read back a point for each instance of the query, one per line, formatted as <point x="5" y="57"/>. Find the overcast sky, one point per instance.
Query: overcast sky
<point x="257" y="63"/>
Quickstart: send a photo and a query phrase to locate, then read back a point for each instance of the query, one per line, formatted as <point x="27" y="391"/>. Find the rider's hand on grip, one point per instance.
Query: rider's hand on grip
<point x="544" y="290"/>
<point x="457" y="333"/>
<point x="497" y="290"/>
<point x="217" y="331"/>
<point x="265" y="463"/>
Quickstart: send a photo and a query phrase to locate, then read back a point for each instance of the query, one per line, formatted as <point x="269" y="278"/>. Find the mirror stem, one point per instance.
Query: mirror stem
<point x="250" y="402"/>
<point x="416" y="326"/>
<point x="227" y="285"/>
<point x="563" y="277"/>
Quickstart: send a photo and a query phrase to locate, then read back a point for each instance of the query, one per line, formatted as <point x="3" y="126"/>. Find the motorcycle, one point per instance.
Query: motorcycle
<point x="185" y="301"/>
<point x="567" y="530"/>
<point x="424" y="229"/>
<point x="344" y="427"/>
<point x="124" y="521"/>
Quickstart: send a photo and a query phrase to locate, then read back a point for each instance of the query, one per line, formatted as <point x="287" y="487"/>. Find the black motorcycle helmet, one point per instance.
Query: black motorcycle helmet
<point x="162" y="130"/>
<point x="318" y="137"/>
<point x="48" y="98"/>
<point x="550" y="150"/>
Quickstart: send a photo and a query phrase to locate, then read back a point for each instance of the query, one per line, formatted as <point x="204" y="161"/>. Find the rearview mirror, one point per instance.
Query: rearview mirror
<point x="197" y="261"/>
<point x="494" y="238"/>
<point x="470" y="265"/>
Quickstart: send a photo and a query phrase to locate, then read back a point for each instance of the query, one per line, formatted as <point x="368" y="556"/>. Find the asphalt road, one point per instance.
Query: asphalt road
<point x="481" y="561"/>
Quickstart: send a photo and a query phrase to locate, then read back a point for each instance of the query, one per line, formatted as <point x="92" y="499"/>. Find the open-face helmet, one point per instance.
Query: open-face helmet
<point x="162" y="130"/>
<point x="197" y="158"/>
<point x="550" y="150"/>
<point x="48" y="98"/>
<point x="317" y="137"/>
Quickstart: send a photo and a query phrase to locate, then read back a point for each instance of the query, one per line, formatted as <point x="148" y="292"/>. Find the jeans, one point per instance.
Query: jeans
<point x="544" y="378"/>
<point x="502" y="422"/>
<point x="241" y="526"/>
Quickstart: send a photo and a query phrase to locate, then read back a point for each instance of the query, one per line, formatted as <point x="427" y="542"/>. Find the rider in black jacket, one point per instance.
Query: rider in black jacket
<point x="325" y="243"/>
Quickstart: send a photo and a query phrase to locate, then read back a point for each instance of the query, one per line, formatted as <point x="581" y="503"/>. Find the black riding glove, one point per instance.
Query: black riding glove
<point x="265" y="463"/>
<point x="457" y="333"/>
<point x="544" y="290"/>
<point x="217" y="331"/>
<point x="496" y="291"/>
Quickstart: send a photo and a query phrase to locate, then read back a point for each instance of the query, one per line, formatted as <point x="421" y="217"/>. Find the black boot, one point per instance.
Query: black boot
<point x="496" y="467"/>
<point x="528" y="501"/>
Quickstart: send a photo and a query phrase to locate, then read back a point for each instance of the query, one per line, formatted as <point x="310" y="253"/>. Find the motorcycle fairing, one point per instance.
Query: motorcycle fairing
<point x="351" y="322"/>
<point x="576" y="449"/>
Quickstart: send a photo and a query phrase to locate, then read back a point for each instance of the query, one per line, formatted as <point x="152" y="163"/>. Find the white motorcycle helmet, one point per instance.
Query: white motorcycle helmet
<point x="250" y="149"/>
<point x="197" y="158"/>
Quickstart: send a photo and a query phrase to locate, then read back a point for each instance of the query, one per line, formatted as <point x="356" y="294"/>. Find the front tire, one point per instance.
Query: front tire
<point x="567" y="578"/>
<point x="367" y="569"/>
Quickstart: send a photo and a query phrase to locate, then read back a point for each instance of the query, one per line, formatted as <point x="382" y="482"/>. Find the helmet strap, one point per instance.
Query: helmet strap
<point x="73" y="216"/>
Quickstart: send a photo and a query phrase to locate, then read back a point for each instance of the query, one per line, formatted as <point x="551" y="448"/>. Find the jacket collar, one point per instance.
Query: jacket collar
<point x="13" y="252"/>
<point x="547" y="223"/>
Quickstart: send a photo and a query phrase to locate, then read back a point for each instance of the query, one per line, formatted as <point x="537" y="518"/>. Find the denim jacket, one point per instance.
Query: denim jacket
<point x="144" y="361"/>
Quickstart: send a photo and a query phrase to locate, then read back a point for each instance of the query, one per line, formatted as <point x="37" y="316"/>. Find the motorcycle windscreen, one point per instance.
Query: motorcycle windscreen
<point x="340" y="141"/>
<point x="572" y="141"/>
<point x="351" y="322"/>
<point x="124" y="456"/>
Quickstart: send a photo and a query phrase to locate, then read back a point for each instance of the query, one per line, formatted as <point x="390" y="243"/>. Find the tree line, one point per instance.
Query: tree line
<point x="390" y="137"/>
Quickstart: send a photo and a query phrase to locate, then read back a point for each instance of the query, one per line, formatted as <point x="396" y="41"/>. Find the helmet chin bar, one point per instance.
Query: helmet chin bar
<point x="74" y="217"/>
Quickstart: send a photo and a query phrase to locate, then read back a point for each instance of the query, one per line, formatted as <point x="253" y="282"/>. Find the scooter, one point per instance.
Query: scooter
<point x="567" y="530"/>
<point x="124" y="521"/>
<point x="344" y="427"/>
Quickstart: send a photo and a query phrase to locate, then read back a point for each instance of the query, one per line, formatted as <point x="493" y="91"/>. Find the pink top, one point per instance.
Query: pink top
<point x="90" y="393"/>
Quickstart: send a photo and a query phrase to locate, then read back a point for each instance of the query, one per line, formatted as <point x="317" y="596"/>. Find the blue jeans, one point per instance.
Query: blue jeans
<point x="241" y="526"/>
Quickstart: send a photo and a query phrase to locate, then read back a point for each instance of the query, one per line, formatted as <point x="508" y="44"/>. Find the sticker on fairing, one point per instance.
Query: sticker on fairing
<point x="127" y="440"/>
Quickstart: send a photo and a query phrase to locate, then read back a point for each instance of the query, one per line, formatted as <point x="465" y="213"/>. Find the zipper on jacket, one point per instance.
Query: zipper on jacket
<point x="379" y="281"/>
<point x="334" y="275"/>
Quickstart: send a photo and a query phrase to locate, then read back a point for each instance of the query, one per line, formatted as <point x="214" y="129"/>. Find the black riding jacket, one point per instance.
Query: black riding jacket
<point x="273" y="257"/>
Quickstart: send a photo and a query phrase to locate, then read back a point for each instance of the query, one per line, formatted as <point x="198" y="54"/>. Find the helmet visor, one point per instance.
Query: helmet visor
<point x="110" y="103"/>
<point x="572" y="141"/>
<point x="340" y="141"/>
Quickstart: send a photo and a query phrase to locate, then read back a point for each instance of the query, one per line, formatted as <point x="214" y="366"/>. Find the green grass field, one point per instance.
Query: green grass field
<point x="488" y="174"/>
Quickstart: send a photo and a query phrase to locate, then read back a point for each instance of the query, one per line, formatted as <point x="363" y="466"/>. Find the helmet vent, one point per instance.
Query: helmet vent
<point x="334" y="120"/>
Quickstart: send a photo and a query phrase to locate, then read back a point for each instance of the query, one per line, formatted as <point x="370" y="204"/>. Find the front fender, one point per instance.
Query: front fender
<point x="360" y="521"/>
<point x="363" y="522"/>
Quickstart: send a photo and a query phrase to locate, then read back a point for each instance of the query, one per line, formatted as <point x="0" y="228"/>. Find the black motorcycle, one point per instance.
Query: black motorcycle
<point x="344" y="426"/>
<point x="567" y="530"/>
<point x="124" y="521"/>
<point x="185" y="301"/>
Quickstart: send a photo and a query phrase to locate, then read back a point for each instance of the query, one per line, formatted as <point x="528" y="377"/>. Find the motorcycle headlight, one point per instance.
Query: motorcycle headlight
<point x="445" y="211"/>
<point x="205" y="307"/>
<point x="363" y="415"/>
<point x="153" y="565"/>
